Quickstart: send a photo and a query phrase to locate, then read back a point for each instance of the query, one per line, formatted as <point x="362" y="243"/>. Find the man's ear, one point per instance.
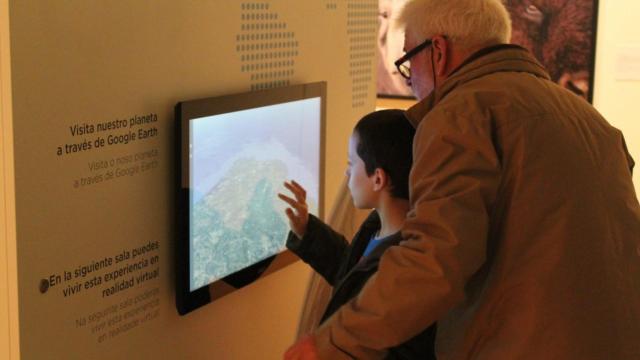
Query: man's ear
<point x="380" y="179"/>
<point x="440" y="52"/>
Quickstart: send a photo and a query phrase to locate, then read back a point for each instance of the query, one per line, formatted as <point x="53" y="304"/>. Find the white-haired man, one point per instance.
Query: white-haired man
<point x="523" y="241"/>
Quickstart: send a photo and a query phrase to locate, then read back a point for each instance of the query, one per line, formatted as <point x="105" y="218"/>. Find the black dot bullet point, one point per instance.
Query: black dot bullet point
<point x="44" y="286"/>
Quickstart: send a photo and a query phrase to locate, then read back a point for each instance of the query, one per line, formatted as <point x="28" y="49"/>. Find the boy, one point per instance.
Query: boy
<point x="378" y="173"/>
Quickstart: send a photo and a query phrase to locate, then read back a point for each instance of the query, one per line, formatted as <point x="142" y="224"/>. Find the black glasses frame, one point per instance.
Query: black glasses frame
<point x="404" y="70"/>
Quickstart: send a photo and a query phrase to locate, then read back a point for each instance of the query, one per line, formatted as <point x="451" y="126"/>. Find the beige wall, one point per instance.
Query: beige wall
<point x="617" y="99"/>
<point x="75" y="62"/>
<point x="8" y="273"/>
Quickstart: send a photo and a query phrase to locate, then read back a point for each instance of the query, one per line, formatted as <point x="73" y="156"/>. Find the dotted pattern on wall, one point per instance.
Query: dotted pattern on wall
<point x="362" y="29"/>
<point x="267" y="48"/>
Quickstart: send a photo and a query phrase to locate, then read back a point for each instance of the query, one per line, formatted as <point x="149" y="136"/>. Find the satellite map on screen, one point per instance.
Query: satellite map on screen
<point x="239" y="162"/>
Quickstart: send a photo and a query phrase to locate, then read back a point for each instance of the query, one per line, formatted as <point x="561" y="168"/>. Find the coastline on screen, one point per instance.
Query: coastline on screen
<point x="234" y="153"/>
<point x="238" y="162"/>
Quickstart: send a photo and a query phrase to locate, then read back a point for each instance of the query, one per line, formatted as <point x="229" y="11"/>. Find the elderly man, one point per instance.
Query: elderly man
<point x="523" y="241"/>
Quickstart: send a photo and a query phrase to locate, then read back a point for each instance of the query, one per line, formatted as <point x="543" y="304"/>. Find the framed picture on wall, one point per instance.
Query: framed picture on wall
<point x="562" y="36"/>
<point x="560" y="33"/>
<point x="389" y="82"/>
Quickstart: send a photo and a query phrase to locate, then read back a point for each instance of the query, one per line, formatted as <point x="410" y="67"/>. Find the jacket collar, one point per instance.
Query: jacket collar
<point x="371" y="261"/>
<point x="371" y="224"/>
<point x="387" y="242"/>
<point x="490" y="60"/>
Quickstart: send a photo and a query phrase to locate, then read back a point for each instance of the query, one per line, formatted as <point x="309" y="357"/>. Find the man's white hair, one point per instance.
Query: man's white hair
<point x="470" y="24"/>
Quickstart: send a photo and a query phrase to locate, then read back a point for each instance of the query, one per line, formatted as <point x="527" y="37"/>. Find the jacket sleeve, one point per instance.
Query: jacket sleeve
<point x="626" y="153"/>
<point x="453" y="185"/>
<point x="320" y="247"/>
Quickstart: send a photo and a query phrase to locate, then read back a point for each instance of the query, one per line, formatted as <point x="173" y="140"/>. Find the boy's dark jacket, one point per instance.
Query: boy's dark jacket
<point x="340" y="263"/>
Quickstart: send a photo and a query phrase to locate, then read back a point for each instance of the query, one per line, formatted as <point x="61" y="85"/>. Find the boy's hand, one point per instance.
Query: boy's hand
<point x="299" y="218"/>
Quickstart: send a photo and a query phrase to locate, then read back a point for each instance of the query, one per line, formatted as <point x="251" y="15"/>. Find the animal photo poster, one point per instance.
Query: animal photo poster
<point x="560" y="33"/>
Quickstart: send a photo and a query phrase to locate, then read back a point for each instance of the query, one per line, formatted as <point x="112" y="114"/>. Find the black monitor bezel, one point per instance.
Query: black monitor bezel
<point x="186" y="300"/>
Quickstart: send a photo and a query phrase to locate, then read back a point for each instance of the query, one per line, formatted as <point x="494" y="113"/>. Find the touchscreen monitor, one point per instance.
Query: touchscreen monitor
<point x="235" y="153"/>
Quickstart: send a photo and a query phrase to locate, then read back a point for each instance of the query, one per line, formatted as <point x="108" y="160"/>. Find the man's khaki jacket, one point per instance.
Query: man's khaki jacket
<point x="523" y="241"/>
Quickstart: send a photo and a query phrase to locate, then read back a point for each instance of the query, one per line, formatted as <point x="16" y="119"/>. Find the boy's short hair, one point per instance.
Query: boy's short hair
<point x="385" y="140"/>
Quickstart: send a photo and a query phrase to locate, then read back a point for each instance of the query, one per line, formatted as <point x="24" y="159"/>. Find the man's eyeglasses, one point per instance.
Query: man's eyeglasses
<point x="403" y="69"/>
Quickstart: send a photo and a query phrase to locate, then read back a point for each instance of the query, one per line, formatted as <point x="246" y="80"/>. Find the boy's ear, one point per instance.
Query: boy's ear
<point x="380" y="180"/>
